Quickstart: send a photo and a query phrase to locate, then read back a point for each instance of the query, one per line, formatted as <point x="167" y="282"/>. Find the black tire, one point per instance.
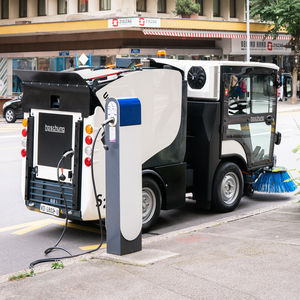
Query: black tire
<point x="248" y="190"/>
<point x="227" y="187"/>
<point x="151" y="203"/>
<point x="10" y="116"/>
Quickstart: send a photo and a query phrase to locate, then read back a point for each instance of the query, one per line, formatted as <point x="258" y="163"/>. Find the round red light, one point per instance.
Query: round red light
<point x="88" y="140"/>
<point x="24" y="132"/>
<point x="23" y="152"/>
<point x="88" y="161"/>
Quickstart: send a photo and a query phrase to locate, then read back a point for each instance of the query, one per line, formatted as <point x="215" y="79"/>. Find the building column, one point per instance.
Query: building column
<point x="94" y="5"/>
<point x="170" y="6"/>
<point x="52" y="8"/>
<point x="3" y="77"/>
<point x="208" y="9"/>
<point x="152" y="6"/>
<point x="241" y="10"/>
<point x="225" y="9"/>
<point x="124" y="8"/>
<point x="13" y="9"/>
<point x="9" y="76"/>
<point x="32" y="8"/>
<point x="73" y="7"/>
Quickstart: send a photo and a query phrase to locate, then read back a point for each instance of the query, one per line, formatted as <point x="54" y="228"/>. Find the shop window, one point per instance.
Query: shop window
<point x="105" y="4"/>
<point x="43" y="64"/>
<point x="57" y="64"/>
<point x="21" y="64"/>
<point x="41" y="7"/>
<point x="22" y="8"/>
<point x="83" y="5"/>
<point x="62" y="6"/>
<point x="161" y="6"/>
<point x="232" y="8"/>
<point x="4" y="9"/>
<point x="216" y="5"/>
<point x="201" y="7"/>
<point x="141" y="5"/>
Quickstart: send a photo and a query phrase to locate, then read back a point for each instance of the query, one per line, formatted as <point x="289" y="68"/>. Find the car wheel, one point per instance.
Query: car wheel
<point x="227" y="187"/>
<point x="151" y="203"/>
<point x="10" y="116"/>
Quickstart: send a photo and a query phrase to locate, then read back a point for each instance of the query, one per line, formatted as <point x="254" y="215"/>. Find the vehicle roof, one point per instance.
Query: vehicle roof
<point x="182" y="64"/>
<point x="89" y="73"/>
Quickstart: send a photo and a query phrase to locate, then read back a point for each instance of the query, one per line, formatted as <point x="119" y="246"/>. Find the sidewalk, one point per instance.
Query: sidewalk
<point x="286" y="106"/>
<point x="253" y="256"/>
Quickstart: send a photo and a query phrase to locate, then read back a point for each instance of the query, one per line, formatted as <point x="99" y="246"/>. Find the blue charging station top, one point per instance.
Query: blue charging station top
<point x="130" y="111"/>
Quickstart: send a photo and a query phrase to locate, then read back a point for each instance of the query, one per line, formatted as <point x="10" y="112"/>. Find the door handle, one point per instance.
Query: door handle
<point x="269" y="119"/>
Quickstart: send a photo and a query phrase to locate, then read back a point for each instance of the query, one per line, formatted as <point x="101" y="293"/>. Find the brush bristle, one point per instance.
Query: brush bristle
<point x="275" y="182"/>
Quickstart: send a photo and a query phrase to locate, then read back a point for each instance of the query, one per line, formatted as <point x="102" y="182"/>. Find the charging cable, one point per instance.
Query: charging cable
<point x="59" y="178"/>
<point x="98" y="204"/>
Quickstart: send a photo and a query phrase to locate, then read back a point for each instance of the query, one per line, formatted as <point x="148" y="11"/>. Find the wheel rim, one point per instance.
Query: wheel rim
<point x="230" y="187"/>
<point x="9" y="115"/>
<point x="149" y="204"/>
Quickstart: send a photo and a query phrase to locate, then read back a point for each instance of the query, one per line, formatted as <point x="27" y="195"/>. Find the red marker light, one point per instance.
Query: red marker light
<point x="88" y="140"/>
<point x="88" y="161"/>
<point x="23" y="152"/>
<point x="226" y="92"/>
<point x="24" y="132"/>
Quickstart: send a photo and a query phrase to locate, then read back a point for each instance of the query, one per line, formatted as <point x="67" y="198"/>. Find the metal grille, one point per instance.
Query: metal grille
<point x="48" y="192"/>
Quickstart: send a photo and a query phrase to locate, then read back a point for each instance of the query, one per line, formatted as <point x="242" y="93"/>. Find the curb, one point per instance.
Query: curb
<point x="47" y="267"/>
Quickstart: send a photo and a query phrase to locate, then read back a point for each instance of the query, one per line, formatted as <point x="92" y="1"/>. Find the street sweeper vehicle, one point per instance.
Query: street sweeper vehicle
<point x="208" y="128"/>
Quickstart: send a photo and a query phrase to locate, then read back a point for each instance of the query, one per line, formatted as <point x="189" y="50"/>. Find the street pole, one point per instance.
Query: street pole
<point x="248" y="32"/>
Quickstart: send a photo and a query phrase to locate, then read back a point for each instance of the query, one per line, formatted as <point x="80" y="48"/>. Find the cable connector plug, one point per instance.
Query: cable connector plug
<point x="67" y="153"/>
<point x="112" y="120"/>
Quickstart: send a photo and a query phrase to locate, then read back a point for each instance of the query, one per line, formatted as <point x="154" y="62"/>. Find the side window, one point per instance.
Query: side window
<point x="250" y="94"/>
<point x="239" y="91"/>
<point x="263" y="94"/>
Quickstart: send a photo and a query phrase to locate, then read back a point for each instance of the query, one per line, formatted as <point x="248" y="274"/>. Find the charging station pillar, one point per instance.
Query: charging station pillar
<point x="123" y="176"/>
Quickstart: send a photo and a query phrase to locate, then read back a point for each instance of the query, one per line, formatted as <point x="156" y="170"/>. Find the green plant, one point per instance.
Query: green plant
<point x="281" y="15"/>
<point x="57" y="265"/>
<point x="21" y="275"/>
<point x="186" y="7"/>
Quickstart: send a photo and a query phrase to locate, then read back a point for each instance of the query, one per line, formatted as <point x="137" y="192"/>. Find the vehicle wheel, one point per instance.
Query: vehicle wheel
<point x="227" y="187"/>
<point x="248" y="190"/>
<point x="151" y="202"/>
<point x="10" y="116"/>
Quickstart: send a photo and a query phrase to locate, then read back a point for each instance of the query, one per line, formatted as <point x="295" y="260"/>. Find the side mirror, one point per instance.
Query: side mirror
<point x="277" y="138"/>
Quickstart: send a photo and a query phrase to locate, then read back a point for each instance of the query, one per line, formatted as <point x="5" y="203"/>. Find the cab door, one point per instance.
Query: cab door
<point x="249" y="97"/>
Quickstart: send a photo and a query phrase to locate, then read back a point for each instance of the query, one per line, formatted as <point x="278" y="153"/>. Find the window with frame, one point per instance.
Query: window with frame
<point x="161" y="6"/>
<point x="62" y="6"/>
<point x="22" y="8"/>
<point x="83" y="5"/>
<point x="105" y="4"/>
<point x="141" y="5"/>
<point x="41" y="7"/>
<point x="216" y="8"/>
<point x="250" y="96"/>
<point x="4" y="9"/>
<point x="232" y="8"/>
<point x="201" y="7"/>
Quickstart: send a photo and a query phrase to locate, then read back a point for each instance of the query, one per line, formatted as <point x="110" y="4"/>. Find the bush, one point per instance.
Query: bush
<point x="186" y="7"/>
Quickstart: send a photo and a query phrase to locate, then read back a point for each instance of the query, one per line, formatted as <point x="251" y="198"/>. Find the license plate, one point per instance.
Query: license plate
<point x="49" y="210"/>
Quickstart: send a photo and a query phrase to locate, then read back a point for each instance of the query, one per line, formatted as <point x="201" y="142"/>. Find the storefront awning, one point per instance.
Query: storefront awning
<point x="208" y="34"/>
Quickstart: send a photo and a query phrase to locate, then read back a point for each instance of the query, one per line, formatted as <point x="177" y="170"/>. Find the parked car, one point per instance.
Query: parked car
<point x="13" y="110"/>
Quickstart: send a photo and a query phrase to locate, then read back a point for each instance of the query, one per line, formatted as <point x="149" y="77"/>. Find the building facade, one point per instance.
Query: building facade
<point x="52" y="34"/>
